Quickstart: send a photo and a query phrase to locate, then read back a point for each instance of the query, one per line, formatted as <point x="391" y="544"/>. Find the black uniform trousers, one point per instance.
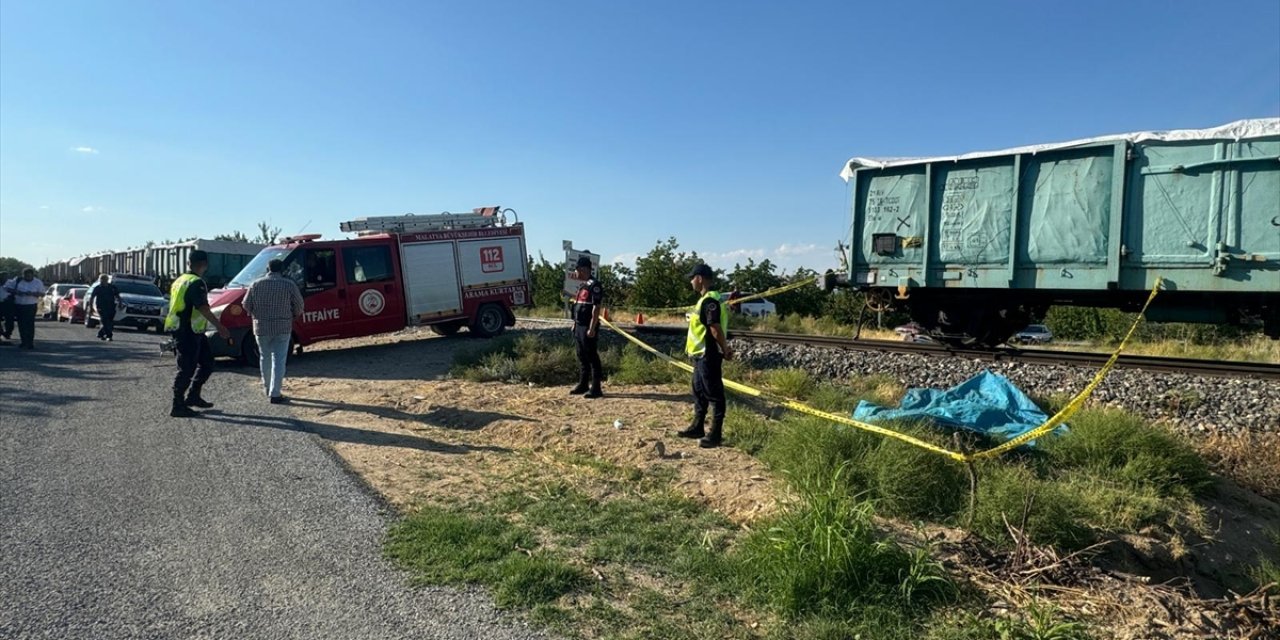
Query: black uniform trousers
<point x="8" y="315"/>
<point x="708" y="390"/>
<point x="26" y="323"/>
<point x="195" y="363"/>
<point x="590" y="370"/>
<point x="108" y="320"/>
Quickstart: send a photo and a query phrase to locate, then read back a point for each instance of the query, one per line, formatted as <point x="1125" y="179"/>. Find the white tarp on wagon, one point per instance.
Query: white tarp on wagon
<point x="1235" y="131"/>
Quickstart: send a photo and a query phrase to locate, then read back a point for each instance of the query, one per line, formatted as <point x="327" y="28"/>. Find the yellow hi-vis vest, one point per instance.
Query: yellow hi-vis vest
<point x="695" y="344"/>
<point x="178" y="303"/>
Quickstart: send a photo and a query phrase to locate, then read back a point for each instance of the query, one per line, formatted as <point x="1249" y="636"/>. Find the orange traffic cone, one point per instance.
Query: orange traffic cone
<point x="639" y="318"/>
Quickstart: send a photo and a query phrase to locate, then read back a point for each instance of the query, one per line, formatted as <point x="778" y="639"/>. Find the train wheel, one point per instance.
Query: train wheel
<point x="973" y="325"/>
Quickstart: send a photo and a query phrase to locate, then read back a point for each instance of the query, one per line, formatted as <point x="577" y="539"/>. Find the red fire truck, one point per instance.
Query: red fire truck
<point x="444" y="270"/>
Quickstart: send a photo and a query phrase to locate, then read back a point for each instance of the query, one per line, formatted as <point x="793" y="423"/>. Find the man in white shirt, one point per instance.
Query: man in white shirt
<point x="26" y="292"/>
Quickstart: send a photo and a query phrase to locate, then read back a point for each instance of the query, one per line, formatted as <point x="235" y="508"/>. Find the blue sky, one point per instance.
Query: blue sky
<point x="610" y="123"/>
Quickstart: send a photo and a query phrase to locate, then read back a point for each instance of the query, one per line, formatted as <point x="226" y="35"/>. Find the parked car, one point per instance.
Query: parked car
<point x="754" y="308"/>
<point x="757" y="308"/>
<point x="1034" y="334"/>
<point x="71" y="306"/>
<point x="48" y="303"/>
<point x="912" y="332"/>
<point x="142" y="305"/>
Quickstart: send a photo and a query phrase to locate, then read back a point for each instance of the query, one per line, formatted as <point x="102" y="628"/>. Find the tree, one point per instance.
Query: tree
<point x="13" y="266"/>
<point x="617" y="280"/>
<point x="234" y="236"/>
<point x="807" y="300"/>
<point x="754" y="278"/>
<point x="267" y="234"/>
<point x="547" y="282"/>
<point x="661" y="277"/>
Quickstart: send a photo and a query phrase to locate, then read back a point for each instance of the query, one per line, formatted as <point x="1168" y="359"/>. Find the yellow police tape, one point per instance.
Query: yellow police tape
<point x="1049" y="425"/>
<point x="755" y="296"/>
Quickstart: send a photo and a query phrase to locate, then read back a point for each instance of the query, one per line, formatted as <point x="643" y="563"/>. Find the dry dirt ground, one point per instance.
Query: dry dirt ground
<point x="388" y="408"/>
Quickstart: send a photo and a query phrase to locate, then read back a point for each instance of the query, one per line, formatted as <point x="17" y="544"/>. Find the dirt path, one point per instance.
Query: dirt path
<point x="398" y="385"/>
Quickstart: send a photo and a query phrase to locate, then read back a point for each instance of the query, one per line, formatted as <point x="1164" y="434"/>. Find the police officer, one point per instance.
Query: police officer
<point x="188" y="317"/>
<point x="586" y="324"/>
<point x="708" y="343"/>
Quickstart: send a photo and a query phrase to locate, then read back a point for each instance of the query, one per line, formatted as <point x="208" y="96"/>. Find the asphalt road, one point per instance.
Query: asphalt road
<point x="117" y="521"/>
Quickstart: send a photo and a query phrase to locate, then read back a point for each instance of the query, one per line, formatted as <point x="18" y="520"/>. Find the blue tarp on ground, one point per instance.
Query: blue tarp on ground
<point x="987" y="403"/>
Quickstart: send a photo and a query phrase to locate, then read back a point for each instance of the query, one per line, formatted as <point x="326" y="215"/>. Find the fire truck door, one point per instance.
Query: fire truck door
<point x="375" y="298"/>
<point x="315" y="270"/>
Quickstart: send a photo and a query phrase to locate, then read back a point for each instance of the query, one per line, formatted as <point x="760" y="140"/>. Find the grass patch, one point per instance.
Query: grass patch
<point x="636" y="366"/>
<point x="1118" y="446"/>
<point x="439" y="546"/>
<point x="823" y="557"/>
<point x="1112" y="473"/>
<point x="792" y="383"/>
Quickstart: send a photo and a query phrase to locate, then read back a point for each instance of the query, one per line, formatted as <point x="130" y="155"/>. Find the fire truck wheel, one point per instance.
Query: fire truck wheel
<point x="490" y="321"/>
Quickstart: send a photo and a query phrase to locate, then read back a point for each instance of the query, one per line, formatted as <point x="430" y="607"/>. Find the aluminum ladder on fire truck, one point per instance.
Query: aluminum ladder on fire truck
<point x="413" y="223"/>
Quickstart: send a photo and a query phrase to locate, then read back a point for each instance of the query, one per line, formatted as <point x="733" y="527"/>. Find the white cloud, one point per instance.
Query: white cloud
<point x="89" y="209"/>
<point x="44" y="207"/>
<point x="734" y="256"/>
<point x="628" y="259"/>
<point x="88" y="150"/>
<point x="798" y="250"/>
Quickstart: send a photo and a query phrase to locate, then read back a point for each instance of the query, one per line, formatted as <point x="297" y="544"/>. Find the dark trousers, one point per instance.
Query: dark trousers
<point x="195" y="364"/>
<point x="590" y="370"/>
<point x="708" y="390"/>
<point x="7" y="317"/>
<point x="108" y="326"/>
<point x="26" y="323"/>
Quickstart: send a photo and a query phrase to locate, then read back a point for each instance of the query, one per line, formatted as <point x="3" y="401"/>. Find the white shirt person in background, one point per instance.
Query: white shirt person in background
<point x="26" y="292"/>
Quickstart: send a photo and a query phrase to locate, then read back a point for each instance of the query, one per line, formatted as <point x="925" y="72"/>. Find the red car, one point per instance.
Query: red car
<point x="71" y="305"/>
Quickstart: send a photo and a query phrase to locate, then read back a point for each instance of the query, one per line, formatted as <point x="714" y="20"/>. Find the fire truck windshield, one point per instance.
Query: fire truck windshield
<point x="257" y="267"/>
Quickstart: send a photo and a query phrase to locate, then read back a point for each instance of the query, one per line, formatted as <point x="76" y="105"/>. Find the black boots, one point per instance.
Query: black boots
<point x="706" y="439"/>
<point x="180" y="408"/>
<point x="712" y="439"/>
<point x="579" y="390"/>
<point x="695" y="429"/>
<point x="194" y="399"/>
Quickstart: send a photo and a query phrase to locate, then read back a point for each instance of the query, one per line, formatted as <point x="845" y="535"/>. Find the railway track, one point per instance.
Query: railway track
<point x="1256" y="370"/>
<point x="1236" y="369"/>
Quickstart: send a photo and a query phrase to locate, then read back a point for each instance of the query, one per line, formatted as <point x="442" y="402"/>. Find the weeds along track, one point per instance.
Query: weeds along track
<point x="1256" y="370"/>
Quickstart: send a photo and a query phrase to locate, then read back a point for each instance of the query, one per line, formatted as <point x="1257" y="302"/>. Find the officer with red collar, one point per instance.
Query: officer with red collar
<point x="586" y="324"/>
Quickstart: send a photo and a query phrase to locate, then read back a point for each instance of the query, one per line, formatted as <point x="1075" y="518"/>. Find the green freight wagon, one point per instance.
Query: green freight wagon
<point x="974" y="245"/>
